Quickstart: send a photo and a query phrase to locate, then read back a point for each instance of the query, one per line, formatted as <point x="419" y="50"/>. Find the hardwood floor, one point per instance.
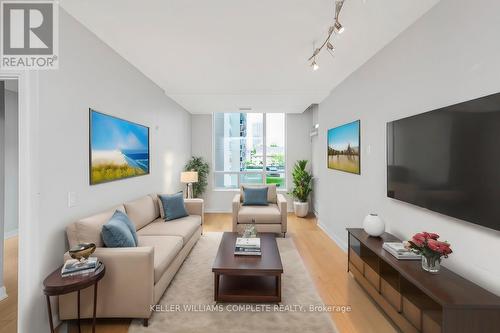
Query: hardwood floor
<point x="8" y="307"/>
<point x="326" y="264"/>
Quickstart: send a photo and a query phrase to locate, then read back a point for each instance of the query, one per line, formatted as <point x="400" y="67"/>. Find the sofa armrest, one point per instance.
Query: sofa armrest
<point x="235" y="208"/>
<point x="126" y="290"/>
<point x="195" y="207"/>
<point x="283" y="207"/>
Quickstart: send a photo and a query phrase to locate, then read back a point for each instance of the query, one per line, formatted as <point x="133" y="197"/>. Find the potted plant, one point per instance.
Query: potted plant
<point x="427" y="245"/>
<point x="199" y="165"/>
<point x="302" y="182"/>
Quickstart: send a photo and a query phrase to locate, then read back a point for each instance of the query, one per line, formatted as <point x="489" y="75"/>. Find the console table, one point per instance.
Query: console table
<point x="416" y="300"/>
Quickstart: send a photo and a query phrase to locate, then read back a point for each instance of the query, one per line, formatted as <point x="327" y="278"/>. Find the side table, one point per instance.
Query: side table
<point x="55" y="285"/>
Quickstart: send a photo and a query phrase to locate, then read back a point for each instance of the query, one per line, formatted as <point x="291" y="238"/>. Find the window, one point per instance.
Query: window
<point x="249" y="148"/>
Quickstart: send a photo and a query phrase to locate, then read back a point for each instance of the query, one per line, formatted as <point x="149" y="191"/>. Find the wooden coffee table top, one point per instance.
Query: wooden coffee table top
<point x="228" y="263"/>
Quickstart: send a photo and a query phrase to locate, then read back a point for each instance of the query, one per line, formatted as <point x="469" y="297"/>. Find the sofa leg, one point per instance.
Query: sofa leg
<point x="145" y="322"/>
<point x="284" y="234"/>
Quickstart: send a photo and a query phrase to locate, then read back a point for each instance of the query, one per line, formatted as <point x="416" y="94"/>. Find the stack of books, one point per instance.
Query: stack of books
<point x="75" y="267"/>
<point x="400" y="252"/>
<point x="247" y="247"/>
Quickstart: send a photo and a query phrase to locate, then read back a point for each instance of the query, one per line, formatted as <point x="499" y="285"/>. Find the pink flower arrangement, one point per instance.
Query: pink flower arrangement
<point x="427" y="244"/>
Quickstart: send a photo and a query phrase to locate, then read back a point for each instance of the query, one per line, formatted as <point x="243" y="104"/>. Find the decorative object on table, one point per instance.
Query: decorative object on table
<point x="73" y="267"/>
<point x="302" y="187"/>
<point x="82" y="251"/>
<point x="199" y="165"/>
<point x="335" y="29"/>
<point x="431" y="249"/>
<point x="247" y="246"/>
<point x="250" y="230"/>
<point x="400" y="251"/>
<point x="118" y="148"/>
<point x="373" y="225"/>
<point x="188" y="178"/>
<point x="173" y="206"/>
<point x="56" y="285"/>
<point x="344" y="148"/>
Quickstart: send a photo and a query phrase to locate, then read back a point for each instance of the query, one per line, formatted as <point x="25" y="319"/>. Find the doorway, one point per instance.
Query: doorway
<point x="9" y="204"/>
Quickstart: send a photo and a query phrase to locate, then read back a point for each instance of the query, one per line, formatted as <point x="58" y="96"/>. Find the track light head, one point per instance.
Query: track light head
<point x="338" y="27"/>
<point x="314" y="65"/>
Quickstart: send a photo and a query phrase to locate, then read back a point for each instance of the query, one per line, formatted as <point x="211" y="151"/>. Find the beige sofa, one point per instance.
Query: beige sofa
<point x="137" y="277"/>
<point x="271" y="218"/>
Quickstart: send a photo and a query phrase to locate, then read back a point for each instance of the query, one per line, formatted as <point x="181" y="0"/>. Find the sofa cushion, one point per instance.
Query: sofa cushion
<point x="173" y="206"/>
<point x="183" y="227"/>
<point x="117" y="232"/>
<point x="271" y="191"/>
<point x="121" y="216"/>
<point x="88" y="229"/>
<point x="142" y="211"/>
<point x="261" y="214"/>
<point x="166" y="249"/>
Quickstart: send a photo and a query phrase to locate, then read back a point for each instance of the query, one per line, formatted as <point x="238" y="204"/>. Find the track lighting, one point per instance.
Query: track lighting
<point x="314" y="65"/>
<point x="339" y="28"/>
<point x="335" y="29"/>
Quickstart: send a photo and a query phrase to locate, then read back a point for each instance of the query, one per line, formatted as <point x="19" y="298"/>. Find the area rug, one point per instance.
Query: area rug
<point x="188" y="307"/>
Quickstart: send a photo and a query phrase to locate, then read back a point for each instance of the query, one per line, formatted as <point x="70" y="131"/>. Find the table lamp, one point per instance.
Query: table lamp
<point x="188" y="178"/>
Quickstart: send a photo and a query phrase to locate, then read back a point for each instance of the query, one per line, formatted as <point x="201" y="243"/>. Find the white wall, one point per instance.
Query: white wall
<point x="11" y="164"/>
<point x="446" y="57"/>
<point x="92" y="75"/>
<point x="298" y="146"/>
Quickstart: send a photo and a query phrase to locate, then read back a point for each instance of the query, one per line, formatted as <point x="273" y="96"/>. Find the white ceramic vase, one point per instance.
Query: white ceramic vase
<point x="373" y="225"/>
<point x="300" y="208"/>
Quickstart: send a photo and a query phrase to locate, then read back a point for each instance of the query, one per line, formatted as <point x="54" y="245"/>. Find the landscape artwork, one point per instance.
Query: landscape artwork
<point x="344" y="148"/>
<point x="118" y="148"/>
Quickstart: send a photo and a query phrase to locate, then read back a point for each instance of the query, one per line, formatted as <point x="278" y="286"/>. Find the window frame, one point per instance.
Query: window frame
<point x="262" y="172"/>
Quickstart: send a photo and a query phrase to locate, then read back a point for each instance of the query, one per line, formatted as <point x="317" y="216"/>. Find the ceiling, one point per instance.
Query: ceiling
<point x="222" y="55"/>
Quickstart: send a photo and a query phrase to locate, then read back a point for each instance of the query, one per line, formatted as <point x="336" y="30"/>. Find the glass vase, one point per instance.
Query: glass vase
<point x="431" y="264"/>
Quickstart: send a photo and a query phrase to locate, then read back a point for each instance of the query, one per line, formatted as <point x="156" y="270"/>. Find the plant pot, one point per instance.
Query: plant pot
<point x="300" y="208"/>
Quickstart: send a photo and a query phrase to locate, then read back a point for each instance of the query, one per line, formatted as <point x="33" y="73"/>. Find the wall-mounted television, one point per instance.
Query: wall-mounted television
<point x="448" y="160"/>
<point x="118" y="148"/>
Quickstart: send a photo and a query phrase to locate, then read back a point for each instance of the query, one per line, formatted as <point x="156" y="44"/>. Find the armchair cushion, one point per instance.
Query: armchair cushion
<point x="271" y="191"/>
<point x="255" y="196"/>
<point x="262" y="214"/>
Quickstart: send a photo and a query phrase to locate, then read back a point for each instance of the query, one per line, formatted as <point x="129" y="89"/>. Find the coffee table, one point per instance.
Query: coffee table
<point x="247" y="279"/>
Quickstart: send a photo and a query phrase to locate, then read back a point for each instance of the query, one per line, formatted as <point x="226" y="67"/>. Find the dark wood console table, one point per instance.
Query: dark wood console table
<point x="415" y="300"/>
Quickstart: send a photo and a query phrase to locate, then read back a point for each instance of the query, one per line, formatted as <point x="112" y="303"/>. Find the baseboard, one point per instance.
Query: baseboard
<point x="3" y="293"/>
<point x="10" y="234"/>
<point x="342" y="244"/>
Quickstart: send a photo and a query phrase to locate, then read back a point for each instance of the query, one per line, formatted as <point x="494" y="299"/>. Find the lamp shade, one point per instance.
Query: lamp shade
<point x="189" y="177"/>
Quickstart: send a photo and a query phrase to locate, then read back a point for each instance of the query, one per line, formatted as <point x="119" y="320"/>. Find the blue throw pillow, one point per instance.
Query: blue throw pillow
<point x="173" y="206"/>
<point x="255" y="196"/>
<point x="119" y="231"/>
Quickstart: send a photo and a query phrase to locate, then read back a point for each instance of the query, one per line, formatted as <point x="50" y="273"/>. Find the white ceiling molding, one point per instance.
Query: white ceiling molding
<point x="220" y="55"/>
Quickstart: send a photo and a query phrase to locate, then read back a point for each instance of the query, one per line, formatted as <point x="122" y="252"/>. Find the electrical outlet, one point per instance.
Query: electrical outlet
<point x="72" y="199"/>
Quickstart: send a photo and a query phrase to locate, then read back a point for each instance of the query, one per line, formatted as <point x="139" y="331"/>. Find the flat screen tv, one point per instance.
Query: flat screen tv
<point x="448" y="160"/>
<point x="118" y="148"/>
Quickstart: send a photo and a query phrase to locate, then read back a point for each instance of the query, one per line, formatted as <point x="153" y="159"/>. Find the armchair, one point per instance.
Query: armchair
<point x="270" y="218"/>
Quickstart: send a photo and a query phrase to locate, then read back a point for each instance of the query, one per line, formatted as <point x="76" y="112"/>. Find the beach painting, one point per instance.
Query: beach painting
<point x="344" y="148"/>
<point x="118" y="148"/>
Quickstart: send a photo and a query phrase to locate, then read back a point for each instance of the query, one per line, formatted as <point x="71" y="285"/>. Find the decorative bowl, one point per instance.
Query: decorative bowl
<point x="82" y="251"/>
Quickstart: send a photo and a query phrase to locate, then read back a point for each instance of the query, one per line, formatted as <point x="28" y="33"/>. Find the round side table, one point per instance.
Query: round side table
<point x="55" y="285"/>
